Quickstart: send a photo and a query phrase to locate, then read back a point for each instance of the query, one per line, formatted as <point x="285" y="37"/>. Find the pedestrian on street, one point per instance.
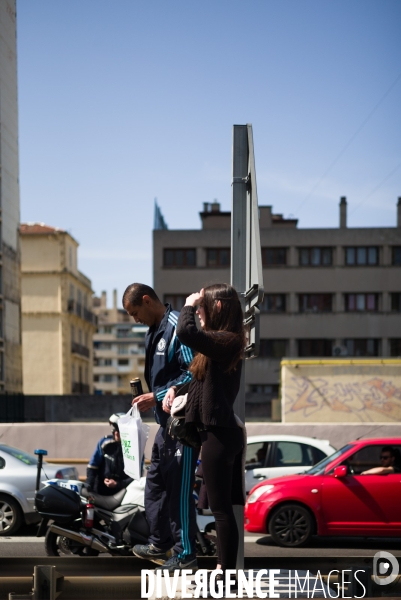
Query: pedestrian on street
<point x="169" y="501"/>
<point x="216" y="371"/>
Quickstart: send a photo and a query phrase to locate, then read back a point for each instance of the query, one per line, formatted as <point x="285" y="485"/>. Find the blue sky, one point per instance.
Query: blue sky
<point x="121" y="102"/>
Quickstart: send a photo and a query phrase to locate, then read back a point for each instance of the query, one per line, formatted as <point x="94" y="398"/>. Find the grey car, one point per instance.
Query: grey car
<point x="17" y="486"/>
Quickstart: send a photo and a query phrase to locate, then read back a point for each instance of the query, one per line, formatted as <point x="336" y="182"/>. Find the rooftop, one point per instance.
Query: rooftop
<point x="39" y="228"/>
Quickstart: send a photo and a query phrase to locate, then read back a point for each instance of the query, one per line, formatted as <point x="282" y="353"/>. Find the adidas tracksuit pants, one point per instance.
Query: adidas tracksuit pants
<point x="169" y="501"/>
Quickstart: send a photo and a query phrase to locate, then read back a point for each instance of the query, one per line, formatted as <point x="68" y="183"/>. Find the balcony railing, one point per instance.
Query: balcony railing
<point x="90" y="316"/>
<point x="79" y="349"/>
<point x="76" y="308"/>
<point x="80" y="388"/>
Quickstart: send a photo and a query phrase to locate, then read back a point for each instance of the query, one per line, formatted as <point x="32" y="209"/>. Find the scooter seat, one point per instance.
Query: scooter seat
<point x="107" y="502"/>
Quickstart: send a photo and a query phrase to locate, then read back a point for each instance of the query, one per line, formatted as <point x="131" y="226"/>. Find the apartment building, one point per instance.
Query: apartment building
<point x="10" y="281"/>
<point x="328" y="292"/>
<point x="119" y="348"/>
<point x="57" y="321"/>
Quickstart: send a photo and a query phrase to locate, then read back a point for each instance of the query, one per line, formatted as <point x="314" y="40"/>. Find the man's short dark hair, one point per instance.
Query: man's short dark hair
<point x="135" y="292"/>
<point x="389" y="449"/>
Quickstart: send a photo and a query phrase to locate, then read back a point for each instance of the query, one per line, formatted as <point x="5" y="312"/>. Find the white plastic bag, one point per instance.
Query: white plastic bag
<point x="134" y="435"/>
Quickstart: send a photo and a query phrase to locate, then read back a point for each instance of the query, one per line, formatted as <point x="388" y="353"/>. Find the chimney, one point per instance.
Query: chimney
<point x="399" y="212"/>
<point x="215" y="206"/>
<point x="206" y="207"/>
<point x="114" y="298"/>
<point x="343" y="212"/>
<point x="103" y="300"/>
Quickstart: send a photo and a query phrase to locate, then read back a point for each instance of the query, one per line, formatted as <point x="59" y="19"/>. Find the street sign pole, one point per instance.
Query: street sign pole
<point x="246" y="265"/>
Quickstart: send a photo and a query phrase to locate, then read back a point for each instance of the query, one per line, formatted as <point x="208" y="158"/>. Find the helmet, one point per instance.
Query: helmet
<point x="113" y="420"/>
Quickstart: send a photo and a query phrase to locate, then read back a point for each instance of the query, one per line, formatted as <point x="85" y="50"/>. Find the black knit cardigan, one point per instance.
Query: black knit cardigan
<point x="211" y="400"/>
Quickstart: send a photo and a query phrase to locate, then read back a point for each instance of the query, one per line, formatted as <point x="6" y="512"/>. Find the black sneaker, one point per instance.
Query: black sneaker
<point x="150" y="552"/>
<point x="174" y="563"/>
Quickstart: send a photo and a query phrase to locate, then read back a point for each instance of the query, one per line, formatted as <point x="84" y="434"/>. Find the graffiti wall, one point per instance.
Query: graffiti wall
<point x="349" y="393"/>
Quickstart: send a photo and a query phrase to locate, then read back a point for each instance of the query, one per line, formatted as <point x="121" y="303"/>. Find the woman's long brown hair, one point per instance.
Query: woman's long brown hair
<point x="229" y="319"/>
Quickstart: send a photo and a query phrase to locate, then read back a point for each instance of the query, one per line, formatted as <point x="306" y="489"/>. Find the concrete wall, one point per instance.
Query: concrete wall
<point x="78" y="440"/>
<point x="42" y="356"/>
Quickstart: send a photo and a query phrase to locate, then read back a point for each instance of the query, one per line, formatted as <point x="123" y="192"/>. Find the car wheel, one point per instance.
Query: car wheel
<point x="58" y="545"/>
<point x="291" y="526"/>
<point x="10" y="515"/>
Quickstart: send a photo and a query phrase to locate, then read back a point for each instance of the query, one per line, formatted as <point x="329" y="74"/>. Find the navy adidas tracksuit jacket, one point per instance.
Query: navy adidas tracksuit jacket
<point x="169" y="501"/>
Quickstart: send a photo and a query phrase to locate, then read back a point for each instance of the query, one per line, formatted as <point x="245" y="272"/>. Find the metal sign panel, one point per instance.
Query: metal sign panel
<point x="246" y="265"/>
<point x="246" y="260"/>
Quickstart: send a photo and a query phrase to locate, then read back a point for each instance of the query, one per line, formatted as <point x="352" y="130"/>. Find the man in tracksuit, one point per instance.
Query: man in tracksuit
<point x="169" y="502"/>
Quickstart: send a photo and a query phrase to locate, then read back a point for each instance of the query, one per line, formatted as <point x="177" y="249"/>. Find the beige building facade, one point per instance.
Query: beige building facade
<point x="10" y="282"/>
<point x="119" y="348"/>
<point x="328" y="292"/>
<point x="57" y="321"/>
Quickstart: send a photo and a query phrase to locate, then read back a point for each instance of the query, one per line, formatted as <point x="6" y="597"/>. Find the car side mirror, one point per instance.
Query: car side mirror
<point x="340" y="471"/>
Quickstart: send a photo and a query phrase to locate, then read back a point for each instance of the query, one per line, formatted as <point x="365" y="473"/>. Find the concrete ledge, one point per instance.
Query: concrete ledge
<point x="72" y="440"/>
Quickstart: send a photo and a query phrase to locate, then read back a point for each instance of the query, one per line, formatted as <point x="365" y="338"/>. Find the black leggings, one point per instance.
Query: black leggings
<point x="220" y="446"/>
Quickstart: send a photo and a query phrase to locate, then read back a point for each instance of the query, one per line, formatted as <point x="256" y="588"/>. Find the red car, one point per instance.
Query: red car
<point x="335" y="497"/>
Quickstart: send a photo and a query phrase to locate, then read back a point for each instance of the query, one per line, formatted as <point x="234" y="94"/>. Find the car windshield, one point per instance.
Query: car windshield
<point x="28" y="459"/>
<point x="320" y="467"/>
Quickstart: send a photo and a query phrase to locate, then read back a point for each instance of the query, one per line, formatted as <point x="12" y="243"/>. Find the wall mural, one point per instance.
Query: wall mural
<point x="340" y="396"/>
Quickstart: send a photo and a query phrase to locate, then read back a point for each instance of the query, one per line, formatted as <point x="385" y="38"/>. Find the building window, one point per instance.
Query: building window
<point x="102" y="346"/>
<point x="272" y="348"/>
<point x="177" y="301"/>
<point x="273" y="257"/>
<point x="395" y="347"/>
<point x="362" y="347"/>
<point x="123" y="349"/>
<point x="107" y="329"/>
<point x="315" y="302"/>
<point x="108" y="362"/>
<point x="108" y="378"/>
<point x="218" y="257"/>
<point x="315" y="257"/>
<point x="273" y="303"/>
<point x="123" y="362"/>
<point x="271" y="391"/>
<point x="180" y="257"/>
<point x="123" y="333"/>
<point x="315" y="347"/>
<point x="396" y="255"/>
<point x="361" y="256"/>
<point x="396" y="302"/>
<point x="361" y="302"/>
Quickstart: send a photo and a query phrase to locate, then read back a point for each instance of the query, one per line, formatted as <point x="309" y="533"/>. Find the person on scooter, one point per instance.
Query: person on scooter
<point x="169" y="502"/>
<point x="105" y="472"/>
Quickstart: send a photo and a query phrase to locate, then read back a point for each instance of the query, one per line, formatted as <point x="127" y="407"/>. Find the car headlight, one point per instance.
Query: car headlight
<point x="263" y="489"/>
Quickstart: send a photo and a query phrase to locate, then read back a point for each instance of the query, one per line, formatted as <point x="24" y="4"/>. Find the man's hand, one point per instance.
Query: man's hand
<point x="145" y="401"/>
<point x="110" y="483"/>
<point x="378" y="471"/>
<point x="168" y="400"/>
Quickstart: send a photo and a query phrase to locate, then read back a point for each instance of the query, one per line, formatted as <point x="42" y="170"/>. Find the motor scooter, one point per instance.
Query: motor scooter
<point x="78" y="521"/>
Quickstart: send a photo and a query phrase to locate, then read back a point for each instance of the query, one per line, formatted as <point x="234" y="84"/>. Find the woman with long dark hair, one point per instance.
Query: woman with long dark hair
<point x="216" y="371"/>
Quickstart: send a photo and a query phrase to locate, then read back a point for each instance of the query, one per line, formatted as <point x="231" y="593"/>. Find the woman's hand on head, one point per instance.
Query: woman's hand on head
<point x="195" y="298"/>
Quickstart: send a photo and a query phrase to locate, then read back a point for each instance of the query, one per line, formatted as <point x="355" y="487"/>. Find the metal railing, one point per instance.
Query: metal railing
<point x="79" y="349"/>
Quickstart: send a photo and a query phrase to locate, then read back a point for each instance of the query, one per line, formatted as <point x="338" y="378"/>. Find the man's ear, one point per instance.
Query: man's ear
<point x="218" y="304"/>
<point x="146" y="299"/>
